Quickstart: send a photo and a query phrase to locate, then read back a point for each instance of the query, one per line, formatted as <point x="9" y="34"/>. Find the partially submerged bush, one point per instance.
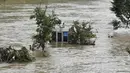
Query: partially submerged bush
<point x="116" y="24"/>
<point x="11" y="55"/>
<point x="81" y="33"/>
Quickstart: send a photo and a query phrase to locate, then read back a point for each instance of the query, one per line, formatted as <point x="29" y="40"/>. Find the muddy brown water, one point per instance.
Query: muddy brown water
<point x="17" y="29"/>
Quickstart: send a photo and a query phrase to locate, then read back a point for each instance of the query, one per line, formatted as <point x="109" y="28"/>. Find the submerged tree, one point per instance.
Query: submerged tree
<point x="45" y="25"/>
<point x="80" y="33"/>
<point x="122" y="10"/>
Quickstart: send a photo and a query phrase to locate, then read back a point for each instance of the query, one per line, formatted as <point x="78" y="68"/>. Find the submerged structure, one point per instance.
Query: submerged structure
<point x="60" y="34"/>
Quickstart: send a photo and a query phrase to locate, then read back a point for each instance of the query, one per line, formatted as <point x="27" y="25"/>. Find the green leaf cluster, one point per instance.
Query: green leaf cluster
<point x="78" y="33"/>
<point x="10" y="55"/>
<point x="116" y="24"/>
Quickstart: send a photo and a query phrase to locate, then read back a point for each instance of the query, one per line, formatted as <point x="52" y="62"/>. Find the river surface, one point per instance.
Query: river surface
<point x="17" y="29"/>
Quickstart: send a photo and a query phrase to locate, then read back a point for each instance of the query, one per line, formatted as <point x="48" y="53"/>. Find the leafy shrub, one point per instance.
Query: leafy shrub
<point x="116" y="24"/>
<point x="80" y="33"/>
<point x="11" y="55"/>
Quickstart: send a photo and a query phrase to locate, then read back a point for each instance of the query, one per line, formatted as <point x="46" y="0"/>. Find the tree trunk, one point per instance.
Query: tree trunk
<point x="127" y="23"/>
<point x="127" y="26"/>
<point x="43" y="47"/>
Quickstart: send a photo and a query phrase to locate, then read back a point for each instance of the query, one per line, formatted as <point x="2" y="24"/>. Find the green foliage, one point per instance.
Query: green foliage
<point x="78" y="33"/>
<point x="122" y="10"/>
<point x="45" y="25"/>
<point x="116" y="24"/>
<point x="22" y="55"/>
<point x="10" y="55"/>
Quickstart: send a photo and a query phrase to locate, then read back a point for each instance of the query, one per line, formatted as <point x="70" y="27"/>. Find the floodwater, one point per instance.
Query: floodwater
<point x="17" y="29"/>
